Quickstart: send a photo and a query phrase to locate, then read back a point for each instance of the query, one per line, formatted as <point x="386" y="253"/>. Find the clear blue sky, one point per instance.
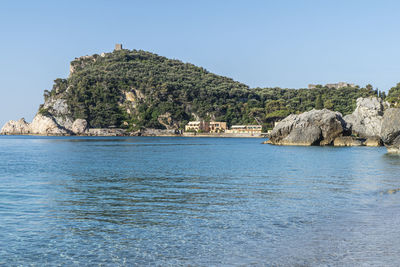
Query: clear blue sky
<point x="260" y="43"/>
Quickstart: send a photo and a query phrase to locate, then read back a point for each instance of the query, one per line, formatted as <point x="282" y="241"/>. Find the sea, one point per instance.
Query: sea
<point x="175" y="201"/>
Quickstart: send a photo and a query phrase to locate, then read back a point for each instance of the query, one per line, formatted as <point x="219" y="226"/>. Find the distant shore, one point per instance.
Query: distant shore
<point x="209" y="135"/>
<point x="229" y="135"/>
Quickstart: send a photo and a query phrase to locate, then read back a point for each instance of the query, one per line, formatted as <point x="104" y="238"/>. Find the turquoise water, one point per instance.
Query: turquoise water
<point x="157" y="201"/>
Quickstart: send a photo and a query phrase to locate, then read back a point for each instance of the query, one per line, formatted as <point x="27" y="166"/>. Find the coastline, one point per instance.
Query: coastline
<point x="203" y="135"/>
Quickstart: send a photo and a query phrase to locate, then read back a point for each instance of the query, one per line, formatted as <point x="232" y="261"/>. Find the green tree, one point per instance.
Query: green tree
<point x="318" y="102"/>
<point x="328" y="104"/>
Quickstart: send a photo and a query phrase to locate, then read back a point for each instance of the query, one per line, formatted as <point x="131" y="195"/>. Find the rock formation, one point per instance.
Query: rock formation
<point x="41" y="125"/>
<point x="44" y="125"/>
<point x="355" y="141"/>
<point x="16" y="127"/>
<point x="315" y="127"/>
<point x="347" y="141"/>
<point x="390" y="130"/>
<point x="373" y="141"/>
<point x="79" y="126"/>
<point x="324" y="127"/>
<point x="366" y="120"/>
<point x="58" y="109"/>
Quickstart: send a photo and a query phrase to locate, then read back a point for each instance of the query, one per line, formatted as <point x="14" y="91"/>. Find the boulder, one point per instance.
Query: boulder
<point x="79" y="126"/>
<point x="16" y="127"/>
<point x="366" y="120"/>
<point x="315" y="127"/>
<point x="390" y="130"/>
<point x="44" y="125"/>
<point x="347" y="141"/>
<point x="373" y="141"/>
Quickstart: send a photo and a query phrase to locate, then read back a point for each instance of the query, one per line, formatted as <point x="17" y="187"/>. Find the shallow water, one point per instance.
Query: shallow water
<point x="195" y="201"/>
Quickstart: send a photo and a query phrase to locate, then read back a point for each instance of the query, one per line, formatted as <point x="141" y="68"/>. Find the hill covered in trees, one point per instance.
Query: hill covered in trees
<point x="138" y="89"/>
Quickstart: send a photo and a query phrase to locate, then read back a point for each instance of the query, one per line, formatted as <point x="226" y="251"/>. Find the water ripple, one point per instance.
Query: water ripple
<point x="195" y="202"/>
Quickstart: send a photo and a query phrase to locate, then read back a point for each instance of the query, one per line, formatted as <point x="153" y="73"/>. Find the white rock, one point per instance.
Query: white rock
<point x="366" y="120"/>
<point x="44" y="125"/>
<point x="59" y="110"/>
<point x="16" y="127"/>
<point x="79" y="126"/>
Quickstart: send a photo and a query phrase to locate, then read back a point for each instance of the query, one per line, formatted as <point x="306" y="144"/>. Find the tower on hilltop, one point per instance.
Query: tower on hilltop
<point x="118" y="47"/>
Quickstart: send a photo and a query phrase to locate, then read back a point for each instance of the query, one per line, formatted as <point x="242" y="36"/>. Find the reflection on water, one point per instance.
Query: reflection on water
<point x="195" y="201"/>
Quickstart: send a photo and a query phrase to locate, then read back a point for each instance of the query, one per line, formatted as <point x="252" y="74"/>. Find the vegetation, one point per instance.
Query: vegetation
<point x="97" y="91"/>
<point x="282" y="102"/>
<point x="394" y="96"/>
<point x="44" y="111"/>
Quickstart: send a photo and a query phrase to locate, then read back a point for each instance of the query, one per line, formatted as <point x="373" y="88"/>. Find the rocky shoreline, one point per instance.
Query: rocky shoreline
<point x="46" y="127"/>
<point x="373" y="123"/>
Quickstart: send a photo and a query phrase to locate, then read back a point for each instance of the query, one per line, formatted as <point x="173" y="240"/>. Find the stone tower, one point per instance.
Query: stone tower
<point x="118" y="47"/>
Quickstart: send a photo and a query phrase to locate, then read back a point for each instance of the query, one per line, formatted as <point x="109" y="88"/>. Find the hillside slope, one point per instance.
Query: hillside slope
<point x="136" y="89"/>
<point x="139" y="89"/>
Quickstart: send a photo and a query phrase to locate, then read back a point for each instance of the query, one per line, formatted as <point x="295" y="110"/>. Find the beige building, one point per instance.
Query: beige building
<point x="217" y="127"/>
<point x="245" y="129"/>
<point x="205" y="126"/>
<point x="118" y="47"/>
<point x="195" y="126"/>
<point x="333" y="85"/>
